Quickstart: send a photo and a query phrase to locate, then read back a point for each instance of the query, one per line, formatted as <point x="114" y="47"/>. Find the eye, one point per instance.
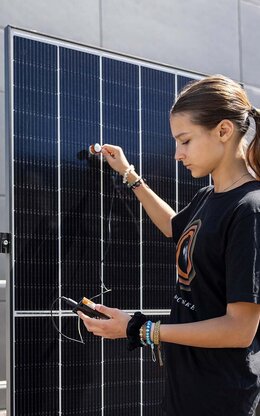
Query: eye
<point x="186" y="142"/>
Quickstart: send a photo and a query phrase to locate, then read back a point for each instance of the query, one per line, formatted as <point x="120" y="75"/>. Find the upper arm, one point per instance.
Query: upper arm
<point x="242" y="260"/>
<point x="245" y="317"/>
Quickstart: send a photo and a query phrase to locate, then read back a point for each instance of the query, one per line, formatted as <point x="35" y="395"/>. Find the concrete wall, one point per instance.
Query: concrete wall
<point x="198" y="35"/>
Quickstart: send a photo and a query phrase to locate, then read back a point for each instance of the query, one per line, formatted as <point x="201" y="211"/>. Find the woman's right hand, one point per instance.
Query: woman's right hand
<point x="115" y="157"/>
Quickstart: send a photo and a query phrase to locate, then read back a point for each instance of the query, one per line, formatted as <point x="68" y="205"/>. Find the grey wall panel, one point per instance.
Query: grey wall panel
<point x="250" y="40"/>
<point x="2" y="144"/>
<point x="197" y="35"/>
<point x="77" y="19"/>
<point x="178" y="33"/>
<point x="3" y="400"/>
<point x="4" y="221"/>
<point x="253" y="95"/>
<point x="2" y="60"/>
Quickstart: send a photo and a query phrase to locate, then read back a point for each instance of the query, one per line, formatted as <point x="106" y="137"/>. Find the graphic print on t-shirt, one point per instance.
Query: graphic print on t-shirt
<point x="184" y="253"/>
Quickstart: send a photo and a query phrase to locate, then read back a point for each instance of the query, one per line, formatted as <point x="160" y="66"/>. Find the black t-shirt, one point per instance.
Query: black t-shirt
<point x="217" y="240"/>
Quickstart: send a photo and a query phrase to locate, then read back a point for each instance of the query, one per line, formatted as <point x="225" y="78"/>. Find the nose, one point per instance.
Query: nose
<point x="179" y="153"/>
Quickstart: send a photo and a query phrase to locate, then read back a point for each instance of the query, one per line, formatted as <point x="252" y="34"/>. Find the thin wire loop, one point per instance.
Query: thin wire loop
<point x="57" y="329"/>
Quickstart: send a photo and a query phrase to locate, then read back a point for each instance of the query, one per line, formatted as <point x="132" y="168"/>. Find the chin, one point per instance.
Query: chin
<point x="196" y="174"/>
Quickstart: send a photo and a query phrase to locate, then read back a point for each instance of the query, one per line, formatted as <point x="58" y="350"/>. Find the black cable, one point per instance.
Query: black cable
<point x="102" y="261"/>
<point x="115" y="189"/>
<point x="57" y="329"/>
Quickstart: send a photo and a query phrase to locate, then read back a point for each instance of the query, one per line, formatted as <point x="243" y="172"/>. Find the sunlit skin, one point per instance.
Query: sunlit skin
<point x="217" y="152"/>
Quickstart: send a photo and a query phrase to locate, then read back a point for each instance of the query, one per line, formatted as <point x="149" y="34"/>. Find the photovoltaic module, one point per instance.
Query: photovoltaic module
<point x="76" y="225"/>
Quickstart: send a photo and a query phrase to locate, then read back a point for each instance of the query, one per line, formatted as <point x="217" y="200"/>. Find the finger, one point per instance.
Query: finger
<point x="107" y="154"/>
<point x="81" y="315"/>
<point x="110" y="147"/>
<point x="105" y="309"/>
<point x="86" y="319"/>
<point x="108" y="150"/>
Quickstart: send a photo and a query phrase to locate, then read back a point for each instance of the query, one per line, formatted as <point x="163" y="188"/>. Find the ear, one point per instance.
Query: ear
<point x="225" y="130"/>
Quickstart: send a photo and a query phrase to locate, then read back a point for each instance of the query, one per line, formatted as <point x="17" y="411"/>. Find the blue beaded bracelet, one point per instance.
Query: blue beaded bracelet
<point x="148" y="332"/>
<point x="148" y="338"/>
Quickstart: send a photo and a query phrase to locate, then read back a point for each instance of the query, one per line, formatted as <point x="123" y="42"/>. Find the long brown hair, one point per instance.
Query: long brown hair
<point x="215" y="98"/>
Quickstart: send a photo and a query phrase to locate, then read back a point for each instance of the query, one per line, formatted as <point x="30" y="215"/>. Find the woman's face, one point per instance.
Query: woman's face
<point x="200" y="150"/>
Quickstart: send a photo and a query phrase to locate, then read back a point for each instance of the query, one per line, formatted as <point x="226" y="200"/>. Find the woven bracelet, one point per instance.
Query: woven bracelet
<point x="137" y="183"/>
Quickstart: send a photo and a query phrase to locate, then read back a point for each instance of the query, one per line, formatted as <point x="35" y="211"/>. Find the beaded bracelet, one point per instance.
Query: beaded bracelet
<point x="148" y="338"/>
<point x="141" y="335"/>
<point x="148" y="332"/>
<point x="130" y="168"/>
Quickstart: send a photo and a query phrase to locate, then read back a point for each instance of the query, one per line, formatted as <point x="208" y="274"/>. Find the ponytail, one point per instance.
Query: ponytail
<point x="253" y="150"/>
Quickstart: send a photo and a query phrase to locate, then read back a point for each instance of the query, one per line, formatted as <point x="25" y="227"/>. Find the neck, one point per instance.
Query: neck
<point x="231" y="178"/>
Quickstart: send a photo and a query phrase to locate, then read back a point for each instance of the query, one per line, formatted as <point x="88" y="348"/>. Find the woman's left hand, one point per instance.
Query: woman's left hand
<point x="112" y="328"/>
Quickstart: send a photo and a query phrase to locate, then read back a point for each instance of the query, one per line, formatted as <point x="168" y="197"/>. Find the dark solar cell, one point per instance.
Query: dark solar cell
<point x="36" y="367"/>
<point x="79" y="175"/>
<point x="157" y="94"/>
<point x="153" y="378"/>
<point x="81" y="372"/>
<point x="35" y="174"/>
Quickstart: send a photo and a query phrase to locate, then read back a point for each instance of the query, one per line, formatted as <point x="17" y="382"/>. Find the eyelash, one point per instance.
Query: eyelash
<point x="187" y="141"/>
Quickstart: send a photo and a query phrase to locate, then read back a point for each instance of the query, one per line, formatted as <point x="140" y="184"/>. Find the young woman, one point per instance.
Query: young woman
<point x="212" y="340"/>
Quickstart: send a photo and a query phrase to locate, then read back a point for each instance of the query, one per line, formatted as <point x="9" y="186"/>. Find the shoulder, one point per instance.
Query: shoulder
<point x="239" y="202"/>
<point x="203" y="192"/>
<point x="248" y="199"/>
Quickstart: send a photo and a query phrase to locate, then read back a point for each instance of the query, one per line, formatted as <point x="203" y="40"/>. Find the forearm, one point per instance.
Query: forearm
<point x="236" y="329"/>
<point x="158" y="210"/>
<point x="221" y="332"/>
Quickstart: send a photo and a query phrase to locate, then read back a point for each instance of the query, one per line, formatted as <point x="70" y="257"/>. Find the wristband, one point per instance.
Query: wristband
<point x="132" y="330"/>
<point x="139" y="181"/>
<point x="157" y="342"/>
<point x="156" y="333"/>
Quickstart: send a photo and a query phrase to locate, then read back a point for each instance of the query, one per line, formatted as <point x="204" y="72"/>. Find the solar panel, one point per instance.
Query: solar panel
<point x="75" y="226"/>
